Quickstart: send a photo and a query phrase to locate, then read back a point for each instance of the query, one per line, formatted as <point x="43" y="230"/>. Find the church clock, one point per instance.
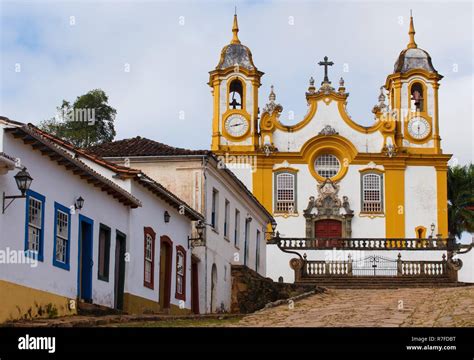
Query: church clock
<point x="237" y="125"/>
<point x="419" y="128"/>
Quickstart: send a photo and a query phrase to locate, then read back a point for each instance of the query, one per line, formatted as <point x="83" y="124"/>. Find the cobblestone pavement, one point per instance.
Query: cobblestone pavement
<point x="430" y="307"/>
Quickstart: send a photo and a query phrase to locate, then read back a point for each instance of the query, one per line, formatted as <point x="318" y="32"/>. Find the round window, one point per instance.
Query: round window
<point x="327" y="165"/>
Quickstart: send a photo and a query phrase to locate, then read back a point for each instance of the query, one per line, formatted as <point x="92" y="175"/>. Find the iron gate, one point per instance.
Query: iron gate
<point x="374" y="265"/>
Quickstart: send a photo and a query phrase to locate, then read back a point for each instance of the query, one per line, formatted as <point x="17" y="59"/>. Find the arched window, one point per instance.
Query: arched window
<point x="417" y="97"/>
<point x="372" y="194"/>
<point x="285" y="192"/>
<point x="180" y="273"/>
<point x="236" y="94"/>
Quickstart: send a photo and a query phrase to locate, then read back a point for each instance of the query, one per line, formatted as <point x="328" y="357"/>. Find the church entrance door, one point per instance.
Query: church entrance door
<point x="328" y="228"/>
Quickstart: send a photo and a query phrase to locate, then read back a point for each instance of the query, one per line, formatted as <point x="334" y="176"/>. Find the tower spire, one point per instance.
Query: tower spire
<point x="235" y="30"/>
<point x="411" y="33"/>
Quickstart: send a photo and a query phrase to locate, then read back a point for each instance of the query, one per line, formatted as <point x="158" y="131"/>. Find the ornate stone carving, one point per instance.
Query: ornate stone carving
<point x="328" y="130"/>
<point x="328" y="205"/>
<point x="271" y="106"/>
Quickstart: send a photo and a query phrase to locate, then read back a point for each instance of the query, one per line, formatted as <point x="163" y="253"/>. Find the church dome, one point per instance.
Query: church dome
<point x="413" y="57"/>
<point x="235" y="53"/>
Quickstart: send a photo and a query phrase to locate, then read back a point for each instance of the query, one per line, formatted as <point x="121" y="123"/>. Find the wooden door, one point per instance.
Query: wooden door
<point x="328" y="229"/>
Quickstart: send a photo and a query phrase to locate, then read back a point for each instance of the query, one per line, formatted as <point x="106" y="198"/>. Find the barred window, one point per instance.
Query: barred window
<point x="149" y="257"/>
<point x="35" y="224"/>
<point x="285" y="192"/>
<point x="372" y="193"/>
<point x="180" y="273"/>
<point x="327" y="165"/>
<point x="62" y="233"/>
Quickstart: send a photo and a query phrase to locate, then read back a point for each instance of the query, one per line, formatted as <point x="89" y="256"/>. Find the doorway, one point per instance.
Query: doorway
<point x="119" y="278"/>
<point x="166" y="252"/>
<point x="85" y="259"/>
<point x="194" y="286"/>
<point x="214" y="289"/>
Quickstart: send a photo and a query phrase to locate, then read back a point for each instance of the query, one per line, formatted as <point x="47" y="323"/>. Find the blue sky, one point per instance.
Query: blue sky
<point x="171" y="46"/>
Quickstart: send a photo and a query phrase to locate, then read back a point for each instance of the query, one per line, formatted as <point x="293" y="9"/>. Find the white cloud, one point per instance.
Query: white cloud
<point x="170" y="62"/>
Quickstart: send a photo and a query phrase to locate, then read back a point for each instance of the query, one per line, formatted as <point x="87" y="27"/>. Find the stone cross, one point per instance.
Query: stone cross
<point x="326" y="63"/>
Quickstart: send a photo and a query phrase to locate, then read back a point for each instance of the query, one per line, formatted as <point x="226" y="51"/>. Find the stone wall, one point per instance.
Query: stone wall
<point x="251" y="291"/>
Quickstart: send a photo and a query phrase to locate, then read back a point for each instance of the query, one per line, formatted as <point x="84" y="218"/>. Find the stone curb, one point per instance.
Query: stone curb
<point x="293" y="298"/>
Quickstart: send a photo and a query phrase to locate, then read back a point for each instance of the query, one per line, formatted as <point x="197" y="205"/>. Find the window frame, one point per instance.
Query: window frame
<point x="180" y="296"/>
<point x="61" y="208"/>
<point x="226" y="218"/>
<point x="215" y="210"/>
<point x="149" y="231"/>
<point x="42" y="199"/>
<point x="257" y="250"/>
<point x="320" y="156"/>
<point x="237" y="228"/>
<point x="107" y="229"/>
<point x="381" y="192"/>
<point x="295" y="193"/>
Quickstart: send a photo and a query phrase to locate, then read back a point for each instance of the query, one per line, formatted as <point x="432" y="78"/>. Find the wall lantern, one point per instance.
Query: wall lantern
<point x="199" y="226"/>
<point x="79" y="203"/>
<point x="23" y="181"/>
<point x="167" y="217"/>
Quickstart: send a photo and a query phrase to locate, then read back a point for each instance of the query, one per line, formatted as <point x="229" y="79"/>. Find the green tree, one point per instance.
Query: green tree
<point x="460" y="199"/>
<point x="89" y="121"/>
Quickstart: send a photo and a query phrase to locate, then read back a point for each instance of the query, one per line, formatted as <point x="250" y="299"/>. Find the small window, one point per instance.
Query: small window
<point x="226" y="218"/>
<point x="235" y="94"/>
<point x="417" y="98"/>
<point x="62" y="232"/>
<point x="104" y="252"/>
<point x="237" y="228"/>
<point x="34" y="225"/>
<point x="149" y="257"/>
<point x="246" y="240"/>
<point x="372" y="195"/>
<point x="285" y="199"/>
<point x="215" y="208"/>
<point x="257" y="252"/>
<point x="327" y="165"/>
<point x="180" y="273"/>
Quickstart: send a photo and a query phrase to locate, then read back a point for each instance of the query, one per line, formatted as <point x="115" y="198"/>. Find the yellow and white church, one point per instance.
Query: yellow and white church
<point x="326" y="175"/>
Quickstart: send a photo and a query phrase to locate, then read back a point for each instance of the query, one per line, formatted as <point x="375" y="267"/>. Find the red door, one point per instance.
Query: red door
<point x="328" y="229"/>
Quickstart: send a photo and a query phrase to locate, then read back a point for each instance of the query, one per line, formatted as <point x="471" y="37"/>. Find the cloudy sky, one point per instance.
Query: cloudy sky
<point x="65" y="48"/>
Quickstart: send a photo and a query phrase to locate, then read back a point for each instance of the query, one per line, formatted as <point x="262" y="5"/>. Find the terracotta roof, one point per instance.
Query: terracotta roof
<point x="143" y="147"/>
<point x="30" y="135"/>
<point x="139" y="146"/>
<point x="57" y="145"/>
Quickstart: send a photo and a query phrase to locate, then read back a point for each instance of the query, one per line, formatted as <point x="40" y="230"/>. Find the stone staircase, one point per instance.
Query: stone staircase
<point x="379" y="282"/>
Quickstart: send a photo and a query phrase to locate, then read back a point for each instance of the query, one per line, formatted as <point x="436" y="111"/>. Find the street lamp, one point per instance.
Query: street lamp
<point x="167" y="217"/>
<point x="23" y="181"/>
<point x="78" y="203"/>
<point x="200" y="225"/>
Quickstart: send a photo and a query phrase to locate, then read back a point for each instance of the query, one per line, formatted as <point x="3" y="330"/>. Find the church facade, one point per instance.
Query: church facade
<point x="327" y="176"/>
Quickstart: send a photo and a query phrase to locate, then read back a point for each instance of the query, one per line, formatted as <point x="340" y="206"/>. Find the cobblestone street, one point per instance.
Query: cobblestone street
<point x="430" y="307"/>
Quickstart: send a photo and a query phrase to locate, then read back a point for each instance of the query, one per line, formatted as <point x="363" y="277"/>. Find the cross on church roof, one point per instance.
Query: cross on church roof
<point x="326" y="63"/>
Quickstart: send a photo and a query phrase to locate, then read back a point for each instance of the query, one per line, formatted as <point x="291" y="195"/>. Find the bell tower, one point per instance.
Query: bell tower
<point x="234" y="83"/>
<point x="413" y="99"/>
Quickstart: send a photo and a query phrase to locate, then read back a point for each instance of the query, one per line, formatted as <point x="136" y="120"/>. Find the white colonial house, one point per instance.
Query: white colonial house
<point x="236" y="223"/>
<point x="87" y="231"/>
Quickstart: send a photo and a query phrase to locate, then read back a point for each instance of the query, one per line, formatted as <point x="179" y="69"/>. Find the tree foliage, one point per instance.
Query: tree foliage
<point x="88" y="121"/>
<point x="460" y="199"/>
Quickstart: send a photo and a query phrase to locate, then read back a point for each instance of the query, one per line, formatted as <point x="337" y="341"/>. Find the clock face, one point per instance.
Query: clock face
<point x="236" y="125"/>
<point x="418" y="128"/>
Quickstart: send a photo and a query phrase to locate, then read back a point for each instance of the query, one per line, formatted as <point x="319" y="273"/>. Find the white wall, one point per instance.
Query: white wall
<point x="57" y="184"/>
<point x="420" y="199"/>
